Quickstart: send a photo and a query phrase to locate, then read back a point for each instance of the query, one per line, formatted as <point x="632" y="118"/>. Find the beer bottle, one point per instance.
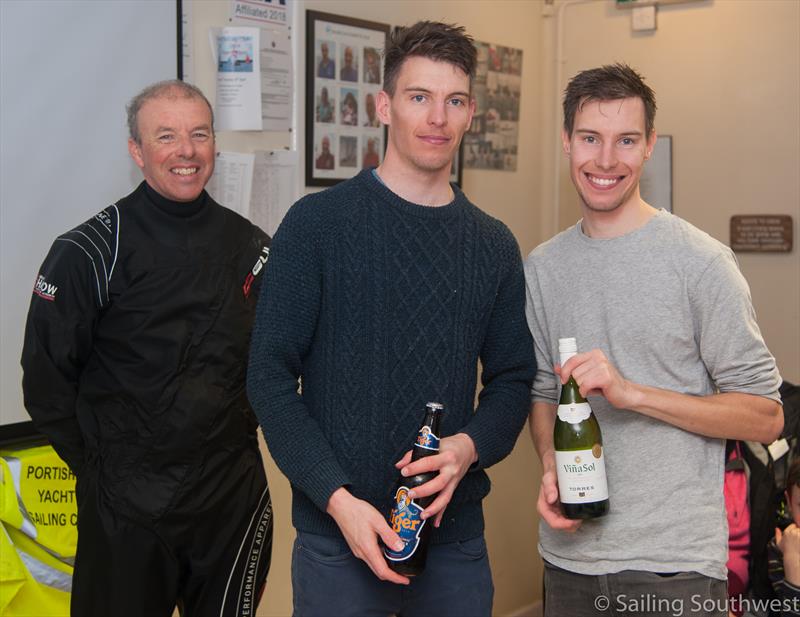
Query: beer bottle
<point x="581" y="468"/>
<point x="404" y="517"/>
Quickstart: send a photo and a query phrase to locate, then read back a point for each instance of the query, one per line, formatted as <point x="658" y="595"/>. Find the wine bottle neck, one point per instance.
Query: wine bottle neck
<point x="570" y="393"/>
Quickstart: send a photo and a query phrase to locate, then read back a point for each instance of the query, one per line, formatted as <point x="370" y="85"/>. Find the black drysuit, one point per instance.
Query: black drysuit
<point x="134" y="367"/>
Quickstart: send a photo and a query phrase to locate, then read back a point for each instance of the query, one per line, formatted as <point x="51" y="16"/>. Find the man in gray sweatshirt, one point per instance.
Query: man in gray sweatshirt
<point x="673" y="364"/>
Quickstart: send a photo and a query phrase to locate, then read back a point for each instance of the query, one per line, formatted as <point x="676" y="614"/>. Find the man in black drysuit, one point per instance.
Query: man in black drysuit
<point x="134" y="367"/>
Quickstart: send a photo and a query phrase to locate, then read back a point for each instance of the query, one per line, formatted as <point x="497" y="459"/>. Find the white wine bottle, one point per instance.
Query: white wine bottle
<point x="581" y="468"/>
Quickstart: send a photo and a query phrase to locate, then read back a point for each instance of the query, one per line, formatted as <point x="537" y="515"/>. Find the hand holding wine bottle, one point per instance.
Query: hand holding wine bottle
<point x="595" y="375"/>
<point x="578" y="443"/>
<point x="549" y="507"/>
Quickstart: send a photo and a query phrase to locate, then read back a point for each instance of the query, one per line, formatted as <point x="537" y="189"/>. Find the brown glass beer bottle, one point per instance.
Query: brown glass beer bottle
<point x="404" y="517"/>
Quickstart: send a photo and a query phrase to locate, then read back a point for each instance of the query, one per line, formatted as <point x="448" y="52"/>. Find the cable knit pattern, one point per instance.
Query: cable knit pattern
<point x="381" y="305"/>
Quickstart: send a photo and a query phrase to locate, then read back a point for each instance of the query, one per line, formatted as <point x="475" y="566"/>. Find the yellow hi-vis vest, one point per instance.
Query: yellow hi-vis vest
<point x="38" y="532"/>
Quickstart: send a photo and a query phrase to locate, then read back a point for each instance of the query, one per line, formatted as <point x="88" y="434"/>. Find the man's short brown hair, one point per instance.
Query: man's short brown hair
<point x="608" y="83"/>
<point x="432" y="40"/>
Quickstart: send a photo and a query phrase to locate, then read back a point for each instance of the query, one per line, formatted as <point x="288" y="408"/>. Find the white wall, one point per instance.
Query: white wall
<point x="67" y="69"/>
<point x="727" y="79"/>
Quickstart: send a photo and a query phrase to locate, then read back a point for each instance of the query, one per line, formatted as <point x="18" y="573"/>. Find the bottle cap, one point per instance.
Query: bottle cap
<point x="567" y="345"/>
<point x="435" y="406"/>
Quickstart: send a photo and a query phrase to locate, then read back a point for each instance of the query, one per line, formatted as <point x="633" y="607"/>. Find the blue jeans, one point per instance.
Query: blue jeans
<point x="329" y="581"/>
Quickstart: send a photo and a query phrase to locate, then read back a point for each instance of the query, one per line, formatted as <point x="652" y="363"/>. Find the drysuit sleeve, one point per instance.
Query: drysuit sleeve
<point x="69" y="293"/>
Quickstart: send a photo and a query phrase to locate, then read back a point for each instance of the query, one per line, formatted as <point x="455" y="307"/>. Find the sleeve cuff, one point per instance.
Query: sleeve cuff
<point x="322" y="480"/>
<point x="489" y="452"/>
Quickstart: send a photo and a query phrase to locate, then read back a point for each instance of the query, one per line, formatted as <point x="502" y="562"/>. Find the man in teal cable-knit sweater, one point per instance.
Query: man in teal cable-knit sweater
<point x="383" y="293"/>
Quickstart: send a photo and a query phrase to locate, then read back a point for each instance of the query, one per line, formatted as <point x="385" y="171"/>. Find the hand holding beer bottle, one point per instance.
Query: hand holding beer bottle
<point x="405" y="517"/>
<point x="362" y="525"/>
<point x="456" y="454"/>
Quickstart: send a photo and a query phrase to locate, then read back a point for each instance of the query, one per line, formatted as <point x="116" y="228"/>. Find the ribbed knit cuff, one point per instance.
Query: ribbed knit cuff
<point x="488" y="444"/>
<point x="495" y="430"/>
<point x="322" y="480"/>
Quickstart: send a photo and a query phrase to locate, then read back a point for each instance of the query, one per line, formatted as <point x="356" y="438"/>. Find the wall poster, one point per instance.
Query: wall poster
<point x="491" y="142"/>
<point x="344" y="73"/>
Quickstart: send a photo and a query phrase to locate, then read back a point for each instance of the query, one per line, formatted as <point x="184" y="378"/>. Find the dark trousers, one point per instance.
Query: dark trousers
<point x="329" y="581"/>
<point x="207" y="557"/>
<point x="633" y="593"/>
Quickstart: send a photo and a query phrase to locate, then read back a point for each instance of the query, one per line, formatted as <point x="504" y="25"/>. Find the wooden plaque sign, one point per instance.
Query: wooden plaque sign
<point x="761" y="233"/>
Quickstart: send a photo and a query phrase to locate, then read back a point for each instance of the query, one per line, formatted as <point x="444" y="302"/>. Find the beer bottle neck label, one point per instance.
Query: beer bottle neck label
<point x="406" y="522"/>
<point x="427" y="439"/>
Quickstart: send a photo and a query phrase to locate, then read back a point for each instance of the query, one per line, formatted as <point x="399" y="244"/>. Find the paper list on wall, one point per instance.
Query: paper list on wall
<point x="274" y="187"/>
<point x="232" y="181"/>
<point x="276" y="80"/>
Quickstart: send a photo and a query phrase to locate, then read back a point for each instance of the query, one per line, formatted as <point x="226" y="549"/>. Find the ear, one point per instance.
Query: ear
<point x="565" y="141"/>
<point x="651" y="143"/>
<point x="472" y="107"/>
<point x="136" y="153"/>
<point x="383" y="107"/>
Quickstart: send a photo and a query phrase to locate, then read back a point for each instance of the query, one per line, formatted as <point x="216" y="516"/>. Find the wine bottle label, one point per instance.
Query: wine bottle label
<point x="574" y="412"/>
<point x="427" y="439"/>
<point x="582" y="475"/>
<point x="407" y="523"/>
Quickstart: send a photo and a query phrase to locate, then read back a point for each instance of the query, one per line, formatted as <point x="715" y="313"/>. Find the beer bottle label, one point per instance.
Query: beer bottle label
<point x="427" y="439"/>
<point x="406" y="522"/>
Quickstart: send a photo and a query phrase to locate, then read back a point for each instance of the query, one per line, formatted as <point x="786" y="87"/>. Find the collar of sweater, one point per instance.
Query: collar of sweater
<point x="380" y="190"/>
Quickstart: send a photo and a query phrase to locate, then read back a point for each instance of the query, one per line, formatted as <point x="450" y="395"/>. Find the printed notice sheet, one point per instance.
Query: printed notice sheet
<point x="274" y="187"/>
<point x="237" y="56"/>
<point x="276" y="80"/>
<point x="261" y="186"/>
<point x="232" y="181"/>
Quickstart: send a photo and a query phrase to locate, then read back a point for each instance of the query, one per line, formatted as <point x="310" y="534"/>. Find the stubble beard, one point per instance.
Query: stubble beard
<point x="431" y="163"/>
<point x="626" y="197"/>
<point x="429" y="166"/>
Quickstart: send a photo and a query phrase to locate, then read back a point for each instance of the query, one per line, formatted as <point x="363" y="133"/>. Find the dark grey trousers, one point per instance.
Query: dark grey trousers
<point x="633" y="593"/>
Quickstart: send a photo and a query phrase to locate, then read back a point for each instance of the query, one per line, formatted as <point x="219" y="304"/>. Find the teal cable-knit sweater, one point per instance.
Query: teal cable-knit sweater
<point x="381" y="306"/>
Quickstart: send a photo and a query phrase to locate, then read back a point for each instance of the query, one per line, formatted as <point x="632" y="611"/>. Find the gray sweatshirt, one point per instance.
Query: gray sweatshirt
<point x="668" y="306"/>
